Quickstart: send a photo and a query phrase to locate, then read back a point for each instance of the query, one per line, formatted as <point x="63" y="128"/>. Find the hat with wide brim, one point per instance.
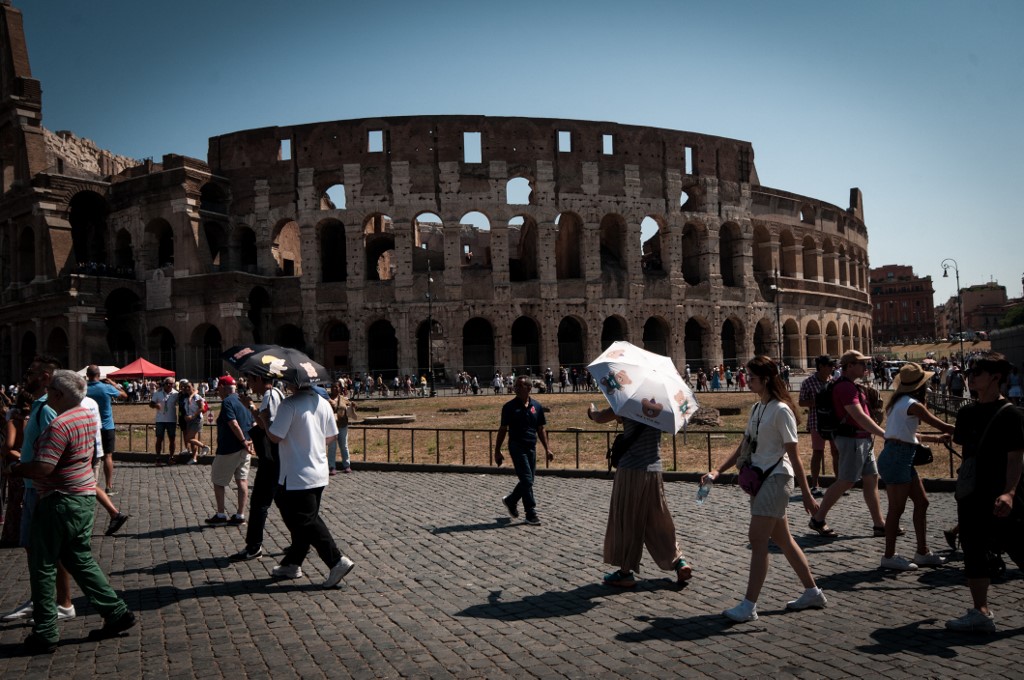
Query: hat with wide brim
<point x="852" y="356"/>
<point x="910" y="378"/>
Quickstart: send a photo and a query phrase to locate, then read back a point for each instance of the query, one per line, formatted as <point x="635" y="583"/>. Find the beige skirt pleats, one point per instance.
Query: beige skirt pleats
<point x="639" y="516"/>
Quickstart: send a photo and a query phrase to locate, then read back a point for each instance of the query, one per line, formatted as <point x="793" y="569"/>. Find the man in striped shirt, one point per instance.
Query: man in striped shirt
<point x="61" y="527"/>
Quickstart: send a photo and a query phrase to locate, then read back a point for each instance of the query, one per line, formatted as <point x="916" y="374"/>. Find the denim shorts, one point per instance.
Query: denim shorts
<point x="896" y="462"/>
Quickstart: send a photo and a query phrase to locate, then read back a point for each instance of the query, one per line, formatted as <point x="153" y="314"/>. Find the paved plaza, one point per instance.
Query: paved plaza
<point x="445" y="585"/>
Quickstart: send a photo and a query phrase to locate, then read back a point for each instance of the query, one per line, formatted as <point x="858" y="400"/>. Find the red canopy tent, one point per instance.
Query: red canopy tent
<point x="140" y="368"/>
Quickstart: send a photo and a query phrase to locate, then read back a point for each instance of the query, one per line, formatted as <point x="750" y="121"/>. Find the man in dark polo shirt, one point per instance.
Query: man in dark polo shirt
<point x="853" y="441"/>
<point x="523" y="420"/>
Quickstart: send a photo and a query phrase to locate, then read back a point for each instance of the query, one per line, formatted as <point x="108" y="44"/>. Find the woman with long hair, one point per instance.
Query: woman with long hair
<point x="772" y="435"/>
<point x="904" y="413"/>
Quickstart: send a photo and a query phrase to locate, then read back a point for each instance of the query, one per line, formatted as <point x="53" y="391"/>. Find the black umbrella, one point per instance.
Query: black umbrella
<point x="273" y="361"/>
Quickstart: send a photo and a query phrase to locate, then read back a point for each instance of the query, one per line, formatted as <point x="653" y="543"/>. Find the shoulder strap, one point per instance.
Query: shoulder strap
<point x="992" y="420"/>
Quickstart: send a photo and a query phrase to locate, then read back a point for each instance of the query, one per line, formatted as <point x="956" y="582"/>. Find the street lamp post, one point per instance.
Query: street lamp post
<point x="959" y="298"/>
<point x="430" y="333"/>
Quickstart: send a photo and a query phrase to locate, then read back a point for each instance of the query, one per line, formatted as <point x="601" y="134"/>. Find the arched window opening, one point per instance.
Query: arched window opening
<point x="828" y="262"/>
<point x="475" y="240"/>
<point x="812" y="341"/>
<point x="336" y="348"/>
<point x="656" y="336"/>
<point x="693" y="344"/>
<point x="526" y="346"/>
<point x="160" y="243"/>
<point x="124" y="254"/>
<point x="832" y="340"/>
<point x="161" y="348"/>
<point x="570" y="343"/>
<point x="382" y="349"/>
<point x="216" y="239"/>
<point x="568" y="246"/>
<point x="430" y="348"/>
<point x="730" y="346"/>
<point x="26" y="258"/>
<point x="213" y="199"/>
<point x="693" y="241"/>
<point x="290" y="335"/>
<point x="791" y="342"/>
<point x="762" y="251"/>
<point x="612" y="330"/>
<point x="428" y="230"/>
<point x="28" y="348"/>
<point x="650" y="246"/>
<point x="123" y="313"/>
<point x="286" y="248"/>
<point x="613" y="244"/>
<point x="810" y="253"/>
<point x="87" y="213"/>
<point x="517" y="191"/>
<point x="333" y="252"/>
<point x="730" y="255"/>
<point x="259" y="314"/>
<point x="765" y="339"/>
<point x="522" y="249"/>
<point x="207" y="346"/>
<point x="57" y="345"/>
<point x="478" y="347"/>
<point x="247" y="252"/>
<point x="334" y="198"/>
<point x="788" y="253"/>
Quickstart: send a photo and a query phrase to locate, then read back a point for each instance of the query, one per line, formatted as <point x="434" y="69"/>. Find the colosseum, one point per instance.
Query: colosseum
<point x="390" y="244"/>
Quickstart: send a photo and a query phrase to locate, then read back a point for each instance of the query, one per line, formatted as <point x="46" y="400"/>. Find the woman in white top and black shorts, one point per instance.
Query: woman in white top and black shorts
<point x="773" y="435"/>
<point x="905" y="411"/>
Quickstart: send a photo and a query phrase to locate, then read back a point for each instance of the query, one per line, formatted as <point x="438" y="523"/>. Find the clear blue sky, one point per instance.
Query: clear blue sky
<point x="918" y="103"/>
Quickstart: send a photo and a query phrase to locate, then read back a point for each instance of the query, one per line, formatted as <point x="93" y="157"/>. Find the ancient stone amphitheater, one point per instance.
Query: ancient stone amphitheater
<point x="530" y="243"/>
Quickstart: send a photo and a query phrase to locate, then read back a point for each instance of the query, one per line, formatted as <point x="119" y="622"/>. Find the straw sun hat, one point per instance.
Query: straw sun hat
<point x="910" y="378"/>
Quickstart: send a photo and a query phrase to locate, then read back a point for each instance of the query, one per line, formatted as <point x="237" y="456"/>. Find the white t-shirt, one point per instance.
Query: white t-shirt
<point x="901" y="425"/>
<point x="94" y="408"/>
<point x="303" y="422"/>
<point x="167" y="406"/>
<point x="772" y="425"/>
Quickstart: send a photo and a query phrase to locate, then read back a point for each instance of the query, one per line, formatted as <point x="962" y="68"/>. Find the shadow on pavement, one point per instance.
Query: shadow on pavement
<point x="551" y="604"/>
<point x="178" y="566"/>
<point x="158" y="597"/>
<point x="166" y="533"/>
<point x="687" y="629"/>
<point x="500" y="523"/>
<point x="930" y="641"/>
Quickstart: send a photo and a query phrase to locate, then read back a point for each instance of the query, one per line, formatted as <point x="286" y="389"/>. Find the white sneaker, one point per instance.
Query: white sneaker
<point x="63" y="614"/>
<point x="741" y="613"/>
<point x="929" y="560"/>
<point x="809" y="600"/>
<point x="338" y="572"/>
<point x="898" y="563"/>
<point x="206" y="450"/>
<point x="973" y="622"/>
<point x="286" y="571"/>
<point x="22" y="611"/>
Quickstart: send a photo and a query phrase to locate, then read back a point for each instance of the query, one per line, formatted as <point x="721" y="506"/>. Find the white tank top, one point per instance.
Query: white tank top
<point x="900" y="425"/>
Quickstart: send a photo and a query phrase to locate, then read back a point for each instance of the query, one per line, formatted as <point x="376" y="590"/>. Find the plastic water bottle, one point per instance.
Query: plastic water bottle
<point x="702" y="493"/>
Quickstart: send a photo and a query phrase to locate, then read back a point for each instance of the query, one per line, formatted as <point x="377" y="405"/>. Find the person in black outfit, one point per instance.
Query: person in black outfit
<point x="990" y="508"/>
<point x="523" y="420"/>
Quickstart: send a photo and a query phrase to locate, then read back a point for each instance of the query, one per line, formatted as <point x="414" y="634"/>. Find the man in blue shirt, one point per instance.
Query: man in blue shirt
<point x="523" y="420"/>
<point x="234" y="448"/>
<point x="102" y="391"/>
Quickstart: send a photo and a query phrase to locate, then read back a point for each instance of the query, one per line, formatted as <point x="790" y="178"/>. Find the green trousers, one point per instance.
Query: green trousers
<point x="61" y="530"/>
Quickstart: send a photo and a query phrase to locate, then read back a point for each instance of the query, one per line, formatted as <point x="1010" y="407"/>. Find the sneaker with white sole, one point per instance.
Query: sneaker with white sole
<point x="741" y="613"/>
<point x="286" y="571"/>
<point x="338" y="572"/>
<point x="811" y="599"/>
<point x="929" y="560"/>
<point x="22" y="611"/>
<point x="974" y="621"/>
<point x="63" y="614"/>
<point x="897" y="563"/>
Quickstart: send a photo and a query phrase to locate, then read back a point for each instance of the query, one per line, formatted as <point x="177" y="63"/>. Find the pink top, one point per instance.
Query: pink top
<point x="68" y="443"/>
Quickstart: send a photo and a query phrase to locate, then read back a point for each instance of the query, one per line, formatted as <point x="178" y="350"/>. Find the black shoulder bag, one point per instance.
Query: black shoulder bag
<point x="621" y="444"/>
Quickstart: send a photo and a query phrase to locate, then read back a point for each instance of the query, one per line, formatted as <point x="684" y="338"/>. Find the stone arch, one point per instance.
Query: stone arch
<point x="123" y="311"/>
<point x="762" y="250"/>
<point x="290" y="335"/>
<point x="161" y="348"/>
<point x="26" y="257"/>
<point x="732" y="335"/>
<point x="336" y="340"/>
<point x="259" y="314"/>
<point x="694" y="248"/>
<point x="813" y="344"/>
<point x="87" y="214"/>
<point x="568" y="246"/>
<point x="478" y="347"/>
<point x="522" y="248"/>
<point x="159" y="244"/>
<point x="379" y="246"/>
<point x="518" y="191"/>
<point x="832" y="339"/>
<point x="810" y="255"/>
<point x="333" y="251"/>
<point x="613" y="329"/>
<point x="855" y="335"/>
<point x="847" y="338"/>
<point x="765" y="338"/>
<point x="808" y="214"/>
<point x="217" y="240"/>
<point x="382" y="349"/>
<point x="657" y="336"/>
<point x="29" y="348"/>
<point x="334" y="197"/>
<point x="57" y="345"/>
<point x="844" y="267"/>
<point x="207" y="347"/>
<point x="695" y="335"/>
<point x="571" y="342"/>
<point x="475" y="240"/>
<point x="213" y="198"/>
<point x="613" y="243"/>
<point x="286" y="247"/>
<point x="791" y="342"/>
<point x="428" y="244"/>
<point x="787" y="253"/>
<point x="525" y="335"/>
<point x="828" y="261"/>
<point x="652" y="229"/>
<point x="730" y="254"/>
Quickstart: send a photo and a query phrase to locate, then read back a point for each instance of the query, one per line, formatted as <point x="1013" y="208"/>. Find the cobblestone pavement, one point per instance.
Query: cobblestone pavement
<point x="445" y="585"/>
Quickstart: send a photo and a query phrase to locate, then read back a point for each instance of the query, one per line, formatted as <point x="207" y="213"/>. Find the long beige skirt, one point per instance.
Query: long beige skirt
<point x="639" y="516"/>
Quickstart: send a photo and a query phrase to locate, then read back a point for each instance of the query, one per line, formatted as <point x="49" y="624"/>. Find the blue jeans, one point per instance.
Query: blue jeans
<point x="333" y="447"/>
<point x="524" y="459"/>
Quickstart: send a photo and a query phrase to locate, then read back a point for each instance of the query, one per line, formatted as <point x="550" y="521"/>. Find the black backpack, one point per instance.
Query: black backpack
<point x="829" y="422"/>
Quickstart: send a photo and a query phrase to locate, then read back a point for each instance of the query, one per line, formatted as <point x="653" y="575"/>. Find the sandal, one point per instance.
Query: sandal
<point x="822" y="528"/>
<point x="620" y="579"/>
<point x="952" y="536"/>
<point x="879" y="532"/>
<point x="683" y="571"/>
